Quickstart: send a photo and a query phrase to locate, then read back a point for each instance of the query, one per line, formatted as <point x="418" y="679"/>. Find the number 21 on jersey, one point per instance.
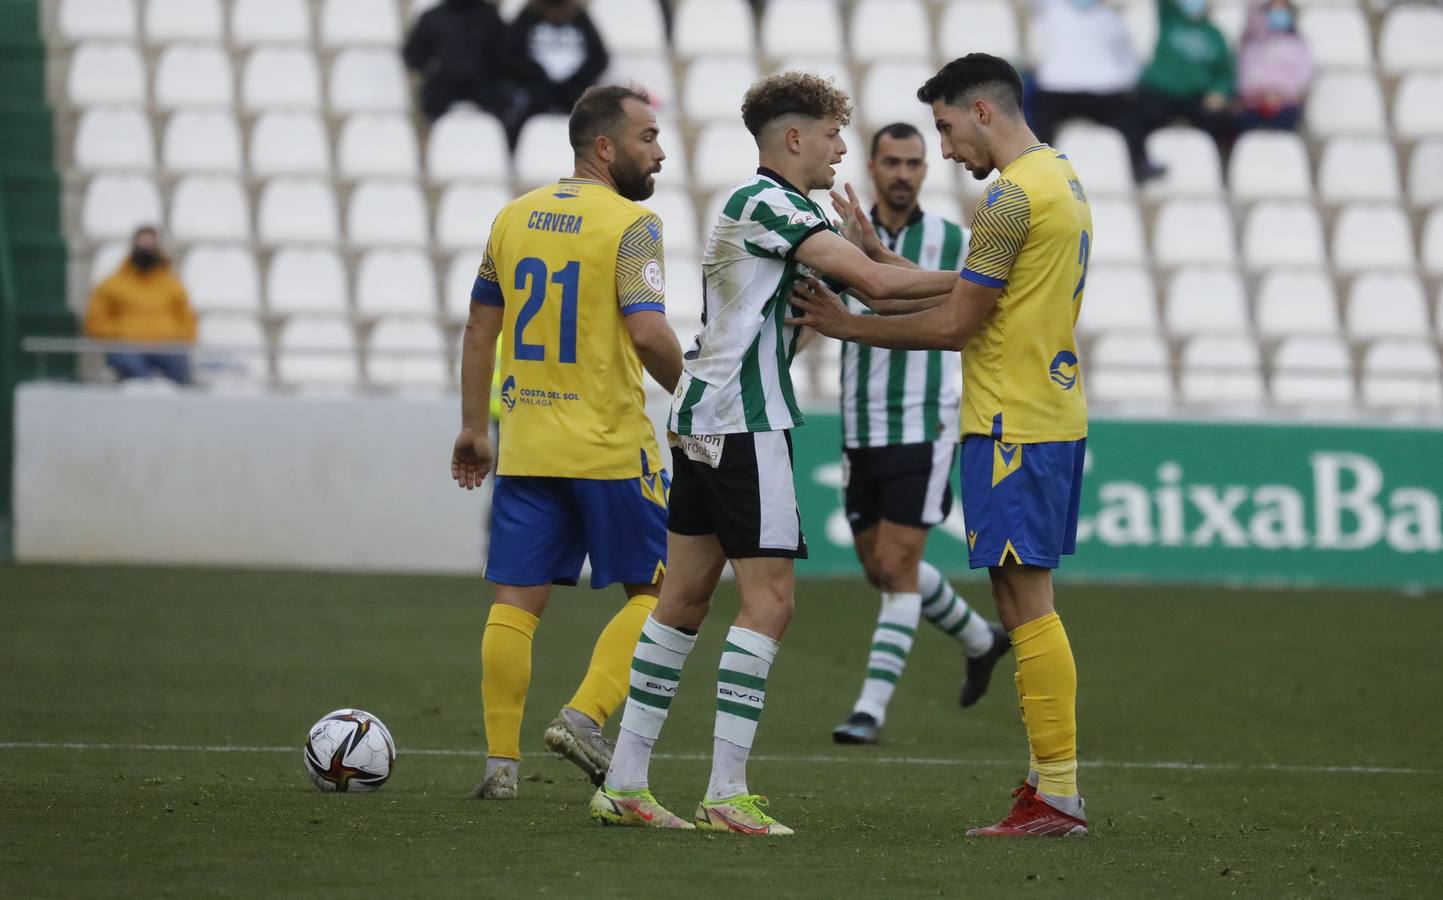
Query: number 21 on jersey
<point x="533" y="275"/>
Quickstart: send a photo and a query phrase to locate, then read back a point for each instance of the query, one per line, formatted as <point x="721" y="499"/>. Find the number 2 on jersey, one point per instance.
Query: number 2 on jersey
<point x="534" y="271"/>
<point x="1083" y="252"/>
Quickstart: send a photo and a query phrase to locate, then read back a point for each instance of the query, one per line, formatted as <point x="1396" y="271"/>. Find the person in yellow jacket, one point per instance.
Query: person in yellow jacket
<point x="144" y="302"/>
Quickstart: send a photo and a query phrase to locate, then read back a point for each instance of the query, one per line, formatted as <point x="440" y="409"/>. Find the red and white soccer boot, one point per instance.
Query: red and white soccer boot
<point x="1031" y="816"/>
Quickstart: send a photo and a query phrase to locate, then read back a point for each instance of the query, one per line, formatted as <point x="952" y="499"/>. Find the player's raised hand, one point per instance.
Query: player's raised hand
<point x="471" y="459"/>
<point x="821" y="309"/>
<point x="856" y="224"/>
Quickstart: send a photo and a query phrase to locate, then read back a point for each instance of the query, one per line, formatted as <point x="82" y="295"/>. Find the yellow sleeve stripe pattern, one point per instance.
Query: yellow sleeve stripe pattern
<point x="641" y="267"/>
<point x="999" y="229"/>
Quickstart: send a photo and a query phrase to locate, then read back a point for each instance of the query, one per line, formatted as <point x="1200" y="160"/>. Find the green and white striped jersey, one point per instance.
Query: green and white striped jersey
<point x="737" y="377"/>
<point x="905" y="396"/>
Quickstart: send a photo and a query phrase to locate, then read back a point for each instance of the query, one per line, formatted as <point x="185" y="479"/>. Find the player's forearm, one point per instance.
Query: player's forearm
<point x="908" y="284"/>
<point x="888" y="257"/>
<point x="661" y="357"/>
<point x="935" y="328"/>
<point x="904" y="307"/>
<point x="478" y="362"/>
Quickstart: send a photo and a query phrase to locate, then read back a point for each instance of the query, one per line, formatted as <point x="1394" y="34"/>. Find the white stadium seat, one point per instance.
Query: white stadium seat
<point x="678" y="219"/>
<point x="1359" y="168"/>
<point x="222" y="276"/>
<point x="1283" y="234"/>
<point x="713" y="26"/>
<point x="1128" y="368"/>
<point x="346" y="22"/>
<point x="889" y="94"/>
<point x="890" y="29"/>
<point x="465" y="214"/>
<point x="368" y="79"/>
<point x="1372" y="237"/>
<point x="306" y="280"/>
<point x="199" y="140"/>
<point x="1337" y="36"/>
<point x="1387" y="304"/>
<point x="106" y="74"/>
<point x="1270" y="165"/>
<point x="297" y="210"/>
<point x="1433" y="242"/>
<point x="1118" y="299"/>
<point x="407" y="353"/>
<point x="1313" y="371"/>
<point x="239" y="334"/>
<point x="281" y="78"/>
<point x="318" y="351"/>
<point x="1410" y="39"/>
<point x="114" y="138"/>
<point x="1206" y="301"/>
<point x="793" y="28"/>
<point x="1099" y="155"/>
<point x="714" y="87"/>
<point x="629" y="26"/>
<point x="986" y="26"/>
<point x="1402" y="373"/>
<point x="1425" y="173"/>
<point x="86" y="20"/>
<point x="1194" y="231"/>
<point x="377" y="145"/>
<point x="194" y="75"/>
<point x="1142" y="28"/>
<point x="717" y="150"/>
<point x="183" y="20"/>
<point x="1222" y="371"/>
<point x="460" y="278"/>
<point x="1417" y="111"/>
<point x="1345" y="103"/>
<point x="267" y="21"/>
<point x="210" y="208"/>
<point x="1118" y="230"/>
<point x="684" y="293"/>
<point x="115" y="205"/>
<point x="106" y="259"/>
<point x="289" y="143"/>
<point x="652" y="74"/>
<point x="1297" y="301"/>
<point x="1191" y="159"/>
<point x="543" y="152"/>
<point x="399" y="282"/>
<point x="467" y="145"/>
<point x="676" y="168"/>
<point x="386" y="213"/>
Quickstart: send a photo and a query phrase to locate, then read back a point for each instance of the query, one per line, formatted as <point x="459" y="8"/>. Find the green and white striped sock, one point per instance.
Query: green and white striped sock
<point x="655" y="671"/>
<point x="891" y="642"/>
<point x="741" y="692"/>
<point x="944" y="608"/>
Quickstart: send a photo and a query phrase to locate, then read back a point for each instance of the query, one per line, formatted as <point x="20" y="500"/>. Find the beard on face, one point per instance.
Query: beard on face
<point x="633" y="180"/>
<point x="899" y="195"/>
<point x="145" y="258"/>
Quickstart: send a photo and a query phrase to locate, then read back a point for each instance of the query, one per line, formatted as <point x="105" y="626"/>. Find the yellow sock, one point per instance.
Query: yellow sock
<point x="1047" y="677"/>
<point x="505" y="676"/>
<point x="604" y="687"/>
<point x="1031" y="754"/>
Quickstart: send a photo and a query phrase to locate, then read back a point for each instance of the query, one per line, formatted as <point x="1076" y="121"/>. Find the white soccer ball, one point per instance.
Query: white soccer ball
<point x="349" y="750"/>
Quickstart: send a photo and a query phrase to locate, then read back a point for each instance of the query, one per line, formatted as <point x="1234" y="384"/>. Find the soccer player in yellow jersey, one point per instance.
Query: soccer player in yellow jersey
<point x="1024" y="415"/>
<point x="573" y="283"/>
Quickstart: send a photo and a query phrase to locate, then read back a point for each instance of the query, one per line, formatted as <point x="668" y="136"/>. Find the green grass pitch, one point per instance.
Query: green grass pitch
<point x="1312" y="719"/>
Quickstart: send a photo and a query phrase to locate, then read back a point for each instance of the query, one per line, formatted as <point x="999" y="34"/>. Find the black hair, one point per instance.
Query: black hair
<point x="973" y="73"/>
<point x="897" y="131"/>
<point x="599" y="111"/>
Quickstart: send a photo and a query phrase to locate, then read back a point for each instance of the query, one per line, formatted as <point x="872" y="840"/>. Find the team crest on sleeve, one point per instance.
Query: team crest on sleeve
<point x="802" y="217"/>
<point x="654" y="279"/>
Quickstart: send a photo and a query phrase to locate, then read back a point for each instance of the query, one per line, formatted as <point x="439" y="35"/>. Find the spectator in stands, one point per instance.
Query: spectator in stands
<point x="556" y="53"/>
<point x="1088" y="69"/>
<point x="1274" y="68"/>
<point x="1191" y="77"/>
<point x="458" y="48"/>
<point x="143" y="301"/>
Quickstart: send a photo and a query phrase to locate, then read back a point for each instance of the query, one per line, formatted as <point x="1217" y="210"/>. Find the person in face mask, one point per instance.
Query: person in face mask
<point x="143" y="302"/>
<point x="1191" y="78"/>
<point x="1274" y="68"/>
<point x="1087" y="69"/>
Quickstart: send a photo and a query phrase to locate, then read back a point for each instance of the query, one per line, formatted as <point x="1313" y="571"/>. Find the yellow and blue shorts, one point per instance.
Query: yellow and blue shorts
<point x="1020" y="501"/>
<point x="542" y="529"/>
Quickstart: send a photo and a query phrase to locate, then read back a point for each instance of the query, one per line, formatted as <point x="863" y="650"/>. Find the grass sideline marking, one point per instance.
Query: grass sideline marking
<point x="781" y="758"/>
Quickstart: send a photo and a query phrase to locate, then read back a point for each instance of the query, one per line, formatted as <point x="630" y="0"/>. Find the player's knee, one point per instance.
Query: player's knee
<point x="896" y="569"/>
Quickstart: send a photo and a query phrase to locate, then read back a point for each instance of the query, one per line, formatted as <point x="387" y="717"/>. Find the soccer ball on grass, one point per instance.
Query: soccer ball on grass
<point x="349" y="750"/>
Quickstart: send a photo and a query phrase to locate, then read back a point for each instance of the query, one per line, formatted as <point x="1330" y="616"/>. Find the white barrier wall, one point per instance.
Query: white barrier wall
<point x="359" y="483"/>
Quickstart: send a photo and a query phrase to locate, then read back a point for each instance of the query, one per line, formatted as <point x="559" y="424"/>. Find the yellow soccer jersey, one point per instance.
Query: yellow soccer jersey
<point x="1031" y="236"/>
<point x="567" y="262"/>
